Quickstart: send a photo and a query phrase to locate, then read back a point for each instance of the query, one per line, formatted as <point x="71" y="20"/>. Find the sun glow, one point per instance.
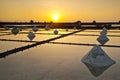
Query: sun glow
<point x="55" y="17"/>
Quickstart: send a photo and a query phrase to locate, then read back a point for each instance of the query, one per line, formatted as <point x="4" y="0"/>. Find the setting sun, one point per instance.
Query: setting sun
<point x="55" y="17"/>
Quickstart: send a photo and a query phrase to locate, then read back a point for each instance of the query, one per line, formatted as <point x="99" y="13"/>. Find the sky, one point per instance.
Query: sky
<point x="68" y="10"/>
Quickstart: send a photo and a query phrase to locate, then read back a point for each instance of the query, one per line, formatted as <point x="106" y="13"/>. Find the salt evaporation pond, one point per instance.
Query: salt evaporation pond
<point x="6" y="45"/>
<point x="55" y="61"/>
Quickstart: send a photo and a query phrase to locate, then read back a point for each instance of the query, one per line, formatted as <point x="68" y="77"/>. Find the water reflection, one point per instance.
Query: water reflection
<point x="96" y="71"/>
<point x="97" y="61"/>
<point x="7" y="53"/>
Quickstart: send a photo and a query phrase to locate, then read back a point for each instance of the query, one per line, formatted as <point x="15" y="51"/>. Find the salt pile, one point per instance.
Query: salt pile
<point x="47" y="27"/>
<point x="97" y="58"/>
<point x="35" y="29"/>
<point x="102" y="39"/>
<point x="74" y="28"/>
<point x="6" y="28"/>
<point x="97" y="61"/>
<point x="55" y="31"/>
<point x="104" y="31"/>
<point x="15" y="30"/>
<point x="31" y="35"/>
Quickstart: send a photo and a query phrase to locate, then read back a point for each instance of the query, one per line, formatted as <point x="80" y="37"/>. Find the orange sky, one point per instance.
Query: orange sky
<point x="69" y="10"/>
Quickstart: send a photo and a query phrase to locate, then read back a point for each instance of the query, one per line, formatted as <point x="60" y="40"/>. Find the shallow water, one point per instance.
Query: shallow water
<point x="6" y="45"/>
<point x="55" y="61"/>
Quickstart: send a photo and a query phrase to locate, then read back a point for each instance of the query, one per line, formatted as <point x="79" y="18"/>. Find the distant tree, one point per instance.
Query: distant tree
<point x="78" y="22"/>
<point x="31" y="21"/>
<point x="45" y="22"/>
<point x="51" y="22"/>
<point x="94" y="21"/>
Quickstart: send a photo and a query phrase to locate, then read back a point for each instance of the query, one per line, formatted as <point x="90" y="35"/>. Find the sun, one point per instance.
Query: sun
<point x="55" y="17"/>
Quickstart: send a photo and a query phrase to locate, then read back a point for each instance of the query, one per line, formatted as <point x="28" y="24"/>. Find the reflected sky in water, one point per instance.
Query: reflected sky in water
<point x="55" y="61"/>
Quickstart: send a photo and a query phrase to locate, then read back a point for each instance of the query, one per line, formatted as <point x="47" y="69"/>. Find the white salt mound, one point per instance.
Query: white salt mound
<point x="103" y="32"/>
<point x="55" y="32"/>
<point x="74" y="28"/>
<point x="102" y="39"/>
<point x="6" y="28"/>
<point x="47" y="27"/>
<point x="15" y="31"/>
<point x="31" y="35"/>
<point x="35" y="29"/>
<point x="96" y="57"/>
<point x="104" y="29"/>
